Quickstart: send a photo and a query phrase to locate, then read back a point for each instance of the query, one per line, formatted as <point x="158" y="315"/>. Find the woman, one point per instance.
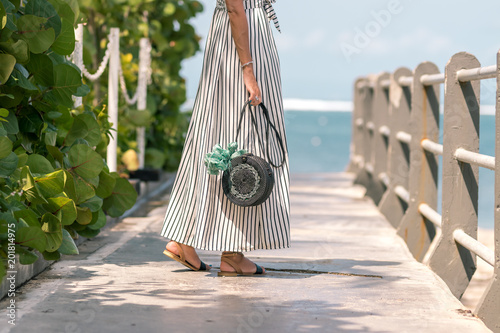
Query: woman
<point x="240" y="63"/>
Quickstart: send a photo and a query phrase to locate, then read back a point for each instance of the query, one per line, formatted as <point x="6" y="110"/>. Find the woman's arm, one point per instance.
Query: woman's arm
<point x="239" y="29"/>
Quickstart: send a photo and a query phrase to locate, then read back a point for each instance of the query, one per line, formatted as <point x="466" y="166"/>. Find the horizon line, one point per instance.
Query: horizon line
<point x="315" y="105"/>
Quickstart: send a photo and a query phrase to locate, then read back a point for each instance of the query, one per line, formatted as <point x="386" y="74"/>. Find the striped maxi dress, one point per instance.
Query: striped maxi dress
<point x="198" y="213"/>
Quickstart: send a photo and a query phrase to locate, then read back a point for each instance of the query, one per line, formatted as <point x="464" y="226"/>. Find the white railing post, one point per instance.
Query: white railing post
<point x="78" y="57"/>
<point x="142" y="94"/>
<point x="113" y="85"/>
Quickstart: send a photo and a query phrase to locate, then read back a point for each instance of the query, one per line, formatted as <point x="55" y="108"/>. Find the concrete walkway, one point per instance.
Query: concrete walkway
<point x="346" y="271"/>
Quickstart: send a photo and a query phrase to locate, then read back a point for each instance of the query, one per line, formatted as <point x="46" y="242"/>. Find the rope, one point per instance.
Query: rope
<point x="143" y="81"/>
<point x="130" y="100"/>
<point x="101" y="68"/>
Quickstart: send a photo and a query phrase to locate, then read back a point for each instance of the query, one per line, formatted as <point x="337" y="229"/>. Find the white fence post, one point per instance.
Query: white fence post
<point x="113" y="85"/>
<point x="142" y="94"/>
<point x="78" y="57"/>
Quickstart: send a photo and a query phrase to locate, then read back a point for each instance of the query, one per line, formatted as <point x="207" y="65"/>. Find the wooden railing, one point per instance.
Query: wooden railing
<point x="394" y="153"/>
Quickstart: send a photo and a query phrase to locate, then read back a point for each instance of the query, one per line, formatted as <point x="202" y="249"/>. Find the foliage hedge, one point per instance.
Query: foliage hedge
<point x="54" y="185"/>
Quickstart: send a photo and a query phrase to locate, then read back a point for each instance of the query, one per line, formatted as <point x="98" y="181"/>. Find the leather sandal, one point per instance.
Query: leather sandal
<point x="180" y="258"/>
<point x="226" y="257"/>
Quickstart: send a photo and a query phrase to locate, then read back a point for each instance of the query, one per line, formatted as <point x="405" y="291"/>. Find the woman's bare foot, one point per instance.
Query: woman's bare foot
<point x="245" y="264"/>
<point x="190" y="254"/>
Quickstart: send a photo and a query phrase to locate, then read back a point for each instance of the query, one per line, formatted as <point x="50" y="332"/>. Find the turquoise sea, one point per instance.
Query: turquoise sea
<point x="318" y="141"/>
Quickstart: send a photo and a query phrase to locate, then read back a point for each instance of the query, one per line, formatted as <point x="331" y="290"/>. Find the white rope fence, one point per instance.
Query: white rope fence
<point x="115" y="78"/>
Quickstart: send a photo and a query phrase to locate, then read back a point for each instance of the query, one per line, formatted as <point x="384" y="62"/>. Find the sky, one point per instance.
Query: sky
<point x="326" y="44"/>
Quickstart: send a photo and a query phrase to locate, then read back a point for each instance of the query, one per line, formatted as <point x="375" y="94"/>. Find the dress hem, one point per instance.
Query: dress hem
<point x="231" y="250"/>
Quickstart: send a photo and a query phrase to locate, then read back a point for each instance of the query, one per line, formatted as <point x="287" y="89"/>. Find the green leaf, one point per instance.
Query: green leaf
<point x="7" y="63"/>
<point x="73" y="4"/>
<point x="55" y="153"/>
<point x="140" y="118"/>
<point x="8" y="217"/>
<point x="32" y="237"/>
<point x="83" y="189"/>
<point x="23" y="158"/>
<point x="5" y="147"/>
<point x="93" y="136"/>
<point x="82" y="91"/>
<point x="84" y="215"/>
<point x="64" y="10"/>
<point x="52" y="228"/>
<point x="65" y="42"/>
<point x="98" y="220"/>
<point x="68" y="245"/>
<point x="39" y="164"/>
<point x="3" y="16"/>
<point x="21" y="223"/>
<point x="8" y="165"/>
<point x="52" y="184"/>
<point x="94" y="204"/>
<point x="26" y="257"/>
<point x="50" y="138"/>
<point x="88" y="232"/>
<point x="4" y="112"/>
<point x="10" y="96"/>
<point x="51" y="255"/>
<point x="123" y="198"/>
<point x="18" y="49"/>
<point x="64" y="205"/>
<point x="42" y="69"/>
<point x="106" y="184"/>
<point x="67" y="79"/>
<point x="10" y="9"/>
<point x="43" y="8"/>
<point x="69" y="187"/>
<point x="3" y="229"/>
<point x="11" y="126"/>
<point x="29" y="187"/>
<point x="85" y="161"/>
<point x="155" y="158"/>
<point x="30" y="121"/>
<point x="36" y="31"/>
<point x="29" y="216"/>
<point x="77" y="131"/>
<point x="22" y="82"/>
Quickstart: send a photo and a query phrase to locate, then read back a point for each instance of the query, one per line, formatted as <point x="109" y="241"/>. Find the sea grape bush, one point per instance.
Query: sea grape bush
<point x="54" y="186"/>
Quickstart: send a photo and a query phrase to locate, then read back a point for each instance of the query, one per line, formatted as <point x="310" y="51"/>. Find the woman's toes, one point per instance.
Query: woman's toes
<point x="172" y="247"/>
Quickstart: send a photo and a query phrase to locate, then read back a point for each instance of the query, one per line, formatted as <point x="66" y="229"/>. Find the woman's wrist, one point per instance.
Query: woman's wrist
<point x="247" y="69"/>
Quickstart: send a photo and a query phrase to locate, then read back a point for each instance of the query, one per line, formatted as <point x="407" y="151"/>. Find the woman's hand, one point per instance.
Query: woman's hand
<point x="251" y="85"/>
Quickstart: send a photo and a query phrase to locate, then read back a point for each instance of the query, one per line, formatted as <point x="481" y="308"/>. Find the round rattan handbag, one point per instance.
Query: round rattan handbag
<point x="250" y="179"/>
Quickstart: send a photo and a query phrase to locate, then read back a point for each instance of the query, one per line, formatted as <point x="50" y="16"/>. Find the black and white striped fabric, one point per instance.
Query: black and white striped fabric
<point x="199" y="214"/>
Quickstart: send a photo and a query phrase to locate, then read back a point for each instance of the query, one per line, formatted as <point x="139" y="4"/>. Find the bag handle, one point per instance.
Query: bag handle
<point x="269" y="123"/>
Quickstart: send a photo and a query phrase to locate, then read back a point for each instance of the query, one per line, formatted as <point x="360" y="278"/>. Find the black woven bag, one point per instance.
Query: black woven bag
<point x="250" y="180"/>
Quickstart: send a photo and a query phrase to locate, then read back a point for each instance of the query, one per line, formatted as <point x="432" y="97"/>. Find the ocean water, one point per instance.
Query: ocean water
<point x="318" y="141"/>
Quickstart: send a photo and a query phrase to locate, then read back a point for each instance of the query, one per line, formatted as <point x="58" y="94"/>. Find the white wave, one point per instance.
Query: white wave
<point x="487" y="110"/>
<point x="295" y="104"/>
